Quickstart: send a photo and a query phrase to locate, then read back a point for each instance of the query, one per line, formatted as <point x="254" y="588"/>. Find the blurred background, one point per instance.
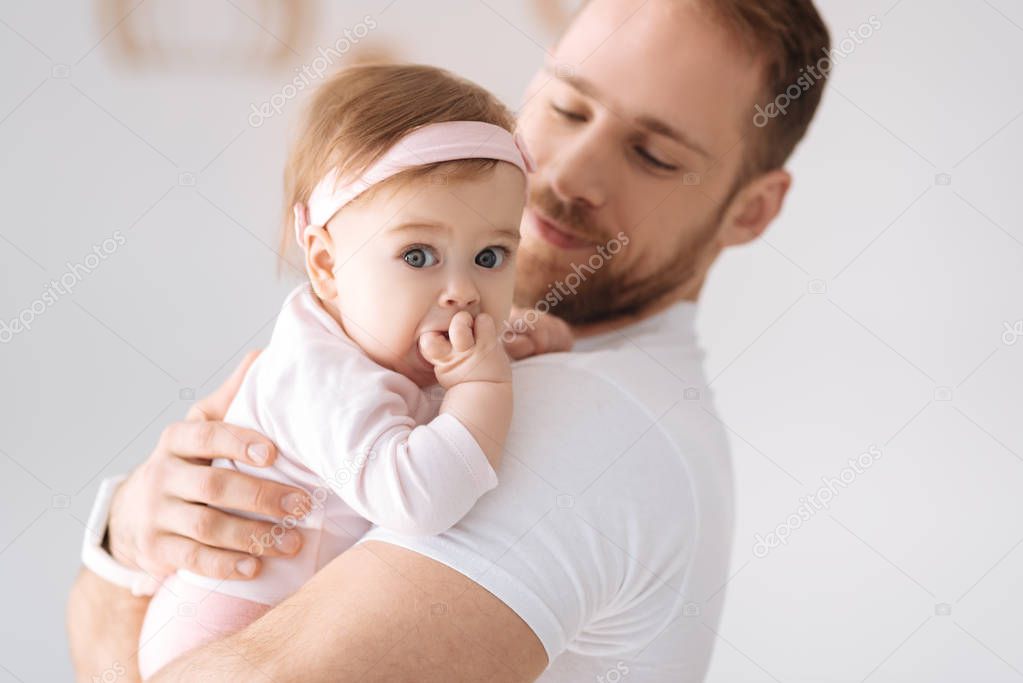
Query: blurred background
<point x="142" y="146"/>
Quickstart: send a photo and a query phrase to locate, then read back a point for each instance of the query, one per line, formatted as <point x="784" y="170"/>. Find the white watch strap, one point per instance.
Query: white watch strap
<point x="99" y="560"/>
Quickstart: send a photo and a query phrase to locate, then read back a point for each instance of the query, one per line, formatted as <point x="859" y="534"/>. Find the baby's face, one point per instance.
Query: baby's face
<point x="410" y="257"/>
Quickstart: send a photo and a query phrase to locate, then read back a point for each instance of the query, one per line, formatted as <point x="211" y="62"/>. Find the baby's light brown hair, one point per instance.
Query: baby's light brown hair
<point x="362" y="111"/>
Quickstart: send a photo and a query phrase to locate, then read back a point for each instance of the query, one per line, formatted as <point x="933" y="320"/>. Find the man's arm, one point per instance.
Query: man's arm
<point x="164" y="517"/>
<point x="376" y="613"/>
<point x="103" y="622"/>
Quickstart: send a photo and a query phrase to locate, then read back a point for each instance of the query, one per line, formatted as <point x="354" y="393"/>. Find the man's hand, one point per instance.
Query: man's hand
<point x="470" y="353"/>
<point x="160" y="519"/>
<point x="530" y="333"/>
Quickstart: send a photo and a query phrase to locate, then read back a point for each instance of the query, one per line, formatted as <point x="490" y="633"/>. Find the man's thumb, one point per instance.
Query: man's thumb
<point x="214" y="407"/>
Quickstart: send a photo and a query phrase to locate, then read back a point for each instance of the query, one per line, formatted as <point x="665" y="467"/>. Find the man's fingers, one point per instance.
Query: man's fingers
<point x="547" y="334"/>
<point x="208" y="440"/>
<point x="227" y="488"/>
<point x="520" y="346"/>
<point x="460" y="331"/>
<point x="214" y="406"/>
<point x="215" y="563"/>
<point x="541" y="338"/>
<point x="561" y="338"/>
<point x="219" y="529"/>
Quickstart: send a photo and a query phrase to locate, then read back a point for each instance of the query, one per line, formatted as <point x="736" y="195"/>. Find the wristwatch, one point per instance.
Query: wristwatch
<point x="95" y="555"/>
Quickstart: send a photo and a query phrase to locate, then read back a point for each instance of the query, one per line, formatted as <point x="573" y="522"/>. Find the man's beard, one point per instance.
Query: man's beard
<point x="611" y="291"/>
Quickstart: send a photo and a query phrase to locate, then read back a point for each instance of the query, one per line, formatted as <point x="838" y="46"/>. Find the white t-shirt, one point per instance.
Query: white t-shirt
<point x="610" y="531"/>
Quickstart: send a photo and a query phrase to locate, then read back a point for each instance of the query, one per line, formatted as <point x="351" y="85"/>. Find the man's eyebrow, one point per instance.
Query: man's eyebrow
<point x="650" y="123"/>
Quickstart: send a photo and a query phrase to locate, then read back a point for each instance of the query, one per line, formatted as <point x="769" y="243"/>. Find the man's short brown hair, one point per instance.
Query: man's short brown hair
<point x="787" y="37"/>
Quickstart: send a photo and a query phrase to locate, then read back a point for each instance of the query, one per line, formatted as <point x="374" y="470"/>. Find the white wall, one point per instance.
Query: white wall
<point x="871" y="315"/>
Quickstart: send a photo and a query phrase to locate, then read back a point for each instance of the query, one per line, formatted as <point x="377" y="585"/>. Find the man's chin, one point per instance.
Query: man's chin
<point x="539" y="265"/>
<point x="542" y="282"/>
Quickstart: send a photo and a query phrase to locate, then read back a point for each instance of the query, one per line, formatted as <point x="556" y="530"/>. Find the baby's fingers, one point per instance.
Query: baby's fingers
<point x="486" y="331"/>
<point x="460" y="332"/>
<point x="434" y="347"/>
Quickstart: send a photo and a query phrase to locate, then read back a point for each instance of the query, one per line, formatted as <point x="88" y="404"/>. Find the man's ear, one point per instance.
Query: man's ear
<point x="319" y="261"/>
<point x="754" y="207"/>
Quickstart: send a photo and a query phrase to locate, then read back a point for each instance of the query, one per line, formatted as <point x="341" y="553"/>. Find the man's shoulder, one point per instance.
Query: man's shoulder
<point x="631" y="427"/>
<point x="618" y="415"/>
<point x="644" y="375"/>
<point x="611" y="485"/>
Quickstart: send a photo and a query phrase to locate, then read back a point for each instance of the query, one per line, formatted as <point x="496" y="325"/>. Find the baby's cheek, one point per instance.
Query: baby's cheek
<point x="402" y="327"/>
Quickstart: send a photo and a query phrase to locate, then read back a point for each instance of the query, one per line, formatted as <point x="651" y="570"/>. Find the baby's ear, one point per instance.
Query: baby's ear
<point x="319" y="261"/>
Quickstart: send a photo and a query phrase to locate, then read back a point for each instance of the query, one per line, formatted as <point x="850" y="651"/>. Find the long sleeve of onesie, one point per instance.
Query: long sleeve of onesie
<point x="350" y="420"/>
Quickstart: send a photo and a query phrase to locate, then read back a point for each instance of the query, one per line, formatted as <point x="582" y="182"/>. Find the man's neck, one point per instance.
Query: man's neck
<point x="689" y="291"/>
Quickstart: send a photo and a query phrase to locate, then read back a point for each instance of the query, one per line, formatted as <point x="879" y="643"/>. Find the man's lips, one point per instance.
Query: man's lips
<point x="554" y="234"/>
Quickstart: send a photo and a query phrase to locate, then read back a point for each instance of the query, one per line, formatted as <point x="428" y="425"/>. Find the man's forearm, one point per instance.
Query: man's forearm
<point x="104" y="622"/>
<point x="377" y="613"/>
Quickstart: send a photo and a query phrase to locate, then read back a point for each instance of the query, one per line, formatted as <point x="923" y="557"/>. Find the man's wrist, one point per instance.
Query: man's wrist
<point x="96" y="545"/>
<point x="104" y="622"/>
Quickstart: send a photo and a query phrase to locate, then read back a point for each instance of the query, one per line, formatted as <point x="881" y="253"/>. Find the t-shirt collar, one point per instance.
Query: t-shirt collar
<point x="677" y="320"/>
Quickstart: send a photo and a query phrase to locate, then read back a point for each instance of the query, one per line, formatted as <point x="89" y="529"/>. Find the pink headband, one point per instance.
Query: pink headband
<point x="430" y="144"/>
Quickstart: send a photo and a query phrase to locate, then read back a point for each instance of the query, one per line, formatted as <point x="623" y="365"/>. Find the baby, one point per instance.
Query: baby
<point x="406" y="189"/>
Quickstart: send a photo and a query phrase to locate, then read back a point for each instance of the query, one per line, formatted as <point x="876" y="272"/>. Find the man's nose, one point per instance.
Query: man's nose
<point x="460" y="293"/>
<point x="578" y="168"/>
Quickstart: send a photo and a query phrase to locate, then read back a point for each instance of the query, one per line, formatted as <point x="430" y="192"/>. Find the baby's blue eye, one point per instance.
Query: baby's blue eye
<point x="420" y="257"/>
<point x="491" y="257"/>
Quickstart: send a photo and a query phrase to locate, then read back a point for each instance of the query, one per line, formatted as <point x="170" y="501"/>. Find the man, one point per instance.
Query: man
<point x="603" y="552"/>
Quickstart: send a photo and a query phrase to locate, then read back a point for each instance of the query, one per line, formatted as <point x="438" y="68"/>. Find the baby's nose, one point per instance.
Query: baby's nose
<point x="461" y="293"/>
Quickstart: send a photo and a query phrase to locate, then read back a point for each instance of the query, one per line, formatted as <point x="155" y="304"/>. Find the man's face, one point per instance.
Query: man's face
<point x="636" y="128"/>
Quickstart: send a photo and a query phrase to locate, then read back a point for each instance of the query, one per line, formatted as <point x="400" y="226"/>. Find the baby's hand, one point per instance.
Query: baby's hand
<point x="471" y="353"/>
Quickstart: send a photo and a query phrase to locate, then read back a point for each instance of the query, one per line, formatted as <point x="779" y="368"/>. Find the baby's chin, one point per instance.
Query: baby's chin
<point x="426" y="381"/>
<point x="423" y="379"/>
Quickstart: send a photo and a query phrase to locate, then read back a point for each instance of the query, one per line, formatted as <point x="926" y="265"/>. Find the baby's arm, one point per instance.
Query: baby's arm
<point x="474" y="368"/>
<point x="350" y="421"/>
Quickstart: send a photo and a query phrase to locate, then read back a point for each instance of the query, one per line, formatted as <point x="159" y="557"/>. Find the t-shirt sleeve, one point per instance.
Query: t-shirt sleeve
<point x="587" y="536"/>
<point x="349" y="420"/>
